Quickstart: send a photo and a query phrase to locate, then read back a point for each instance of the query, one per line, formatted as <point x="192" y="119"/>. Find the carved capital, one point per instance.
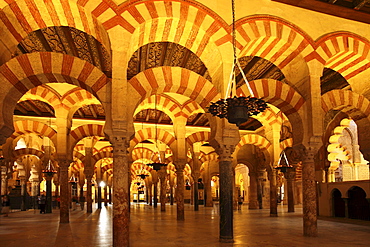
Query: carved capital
<point x="225" y="152"/>
<point x="305" y="154"/>
<point x="120" y="144"/>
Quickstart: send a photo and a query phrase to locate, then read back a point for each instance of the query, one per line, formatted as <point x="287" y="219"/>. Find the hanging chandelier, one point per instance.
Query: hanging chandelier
<point x="237" y="110"/>
<point x="283" y="164"/>
<point x="156" y="165"/>
<point x="49" y="170"/>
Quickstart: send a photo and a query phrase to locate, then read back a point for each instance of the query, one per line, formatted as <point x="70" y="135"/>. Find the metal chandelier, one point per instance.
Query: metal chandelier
<point x="237" y="110"/>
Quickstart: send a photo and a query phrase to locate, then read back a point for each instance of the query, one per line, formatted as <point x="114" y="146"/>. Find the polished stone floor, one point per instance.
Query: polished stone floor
<point x="150" y="227"/>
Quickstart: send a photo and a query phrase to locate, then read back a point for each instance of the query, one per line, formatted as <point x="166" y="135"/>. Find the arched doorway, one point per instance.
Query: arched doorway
<point x="358" y="206"/>
<point x="339" y="206"/>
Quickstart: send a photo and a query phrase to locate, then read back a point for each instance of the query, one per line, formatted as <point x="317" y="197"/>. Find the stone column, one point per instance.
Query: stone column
<point x="309" y="193"/>
<point x="22" y="179"/>
<point x="290" y="176"/>
<point x="89" y="201"/>
<point x="226" y="193"/>
<point x="49" y="201"/>
<point x="195" y="190"/>
<point x="88" y="172"/>
<point x="180" y="189"/>
<point x="162" y="177"/>
<point x="260" y="182"/>
<point x="64" y="189"/>
<point x="150" y="195"/>
<point x="273" y="194"/>
<point x="253" y="202"/>
<point x="121" y="201"/>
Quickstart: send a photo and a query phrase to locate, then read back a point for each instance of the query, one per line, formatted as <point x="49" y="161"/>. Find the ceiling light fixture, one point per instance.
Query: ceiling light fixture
<point x="237" y="110"/>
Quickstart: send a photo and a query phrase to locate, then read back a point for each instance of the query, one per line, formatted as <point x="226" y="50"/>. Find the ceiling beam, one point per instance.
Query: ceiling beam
<point x="160" y="118"/>
<point x="82" y="115"/>
<point x="198" y="118"/>
<point x="93" y="111"/>
<point x="49" y="109"/>
<point x="359" y="4"/>
<point x="21" y="108"/>
<point x="147" y="115"/>
<point x="33" y="107"/>
<point x="332" y="9"/>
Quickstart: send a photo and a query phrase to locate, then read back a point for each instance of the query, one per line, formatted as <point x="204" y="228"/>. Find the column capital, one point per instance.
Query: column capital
<point x="225" y="151"/>
<point x="304" y="154"/>
<point x="120" y="144"/>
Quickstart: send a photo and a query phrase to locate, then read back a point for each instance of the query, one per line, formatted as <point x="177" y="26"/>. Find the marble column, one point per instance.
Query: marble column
<point x="155" y="194"/>
<point x="150" y="194"/>
<point x="64" y="190"/>
<point x="196" y="191"/>
<point x="121" y="201"/>
<point x="260" y="182"/>
<point x="253" y="201"/>
<point x="89" y="201"/>
<point x="23" y="192"/>
<point x="273" y="194"/>
<point x="162" y="179"/>
<point x="226" y="193"/>
<point x="290" y="176"/>
<point x="49" y="201"/>
<point x="180" y="190"/>
<point x="99" y="196"/>
<point x="309" y="193"/>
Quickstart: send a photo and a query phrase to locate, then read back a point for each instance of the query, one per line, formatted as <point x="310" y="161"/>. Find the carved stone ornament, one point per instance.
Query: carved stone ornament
<point x="120" y="144"/>
<point x="225" y="151"/>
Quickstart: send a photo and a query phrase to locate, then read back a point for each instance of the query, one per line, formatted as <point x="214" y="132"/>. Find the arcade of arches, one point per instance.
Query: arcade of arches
<point x="99" y="89"/>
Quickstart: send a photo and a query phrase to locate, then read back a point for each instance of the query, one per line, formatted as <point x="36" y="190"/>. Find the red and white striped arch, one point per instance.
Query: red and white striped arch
<point x="28" y="151"/>
<point x="42" y="94"/>
<point x="174" y="80"/>
<point x="85" y="131"/>
<point x="190" y="108"/>
<point x="20" y="18"/>
<point x="168" y="105"/>
<point x="212" y="156"/>
<point x="76" y="166"/>
<point x="78" y="98"/>
<point x="202" y="136"/>
<point x="138" y="168"/>
<point x="101" y="155"/>
<point x="162" y="103"/>
<point x="187" y="169"/>
<point x="142" y="153"/>
<point x="27" y="71"/>
<point x="149" y="133"/>
<point x="275" y="92"/>
<point x="183" y="22"/>
<point x="273" y="39"/>
<point x="27" y="126"/>
<point x="253" y="139"/>
<point x="78" y="155"/>
<point x="107" y="167"/>
<point x="345" y="101"/>
<point x="346" y="53"/>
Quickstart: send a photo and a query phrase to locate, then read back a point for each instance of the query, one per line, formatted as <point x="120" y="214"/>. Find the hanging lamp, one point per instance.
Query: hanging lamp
<point x="156" y="165"/>
<point x="237" y="110"/>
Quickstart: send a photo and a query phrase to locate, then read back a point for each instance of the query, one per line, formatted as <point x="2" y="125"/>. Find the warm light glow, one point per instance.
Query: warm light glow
<point x="102" y="184"/>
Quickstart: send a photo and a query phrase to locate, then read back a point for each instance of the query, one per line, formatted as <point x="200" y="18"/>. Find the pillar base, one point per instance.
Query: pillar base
<point x="226" y="240"/>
